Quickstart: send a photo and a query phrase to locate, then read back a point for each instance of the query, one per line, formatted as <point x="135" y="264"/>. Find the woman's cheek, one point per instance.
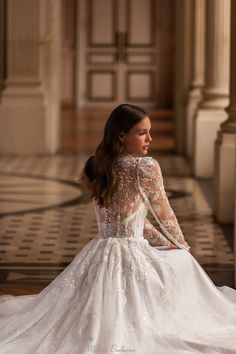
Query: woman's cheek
<point x="143" y="138"/>
<point x="139" y="140"/>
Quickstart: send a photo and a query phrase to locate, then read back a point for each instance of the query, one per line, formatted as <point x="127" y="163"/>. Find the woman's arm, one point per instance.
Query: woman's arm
<point x="151" y="187"/>
<point x="154" y="237"/>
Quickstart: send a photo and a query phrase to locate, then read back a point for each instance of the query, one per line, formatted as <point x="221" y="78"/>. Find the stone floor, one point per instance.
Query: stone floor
<point x="45" y="219"/>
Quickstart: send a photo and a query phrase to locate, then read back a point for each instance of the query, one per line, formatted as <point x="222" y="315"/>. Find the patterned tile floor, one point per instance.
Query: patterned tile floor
<point x="45" y="219"/>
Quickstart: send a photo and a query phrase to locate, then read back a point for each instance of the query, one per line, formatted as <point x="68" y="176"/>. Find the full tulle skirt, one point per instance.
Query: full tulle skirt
<point x="122" y="295"/>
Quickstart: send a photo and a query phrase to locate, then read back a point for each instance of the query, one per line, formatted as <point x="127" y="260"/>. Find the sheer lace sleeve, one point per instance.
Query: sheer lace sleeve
<point x="151" y="187"/>
<point x="154" y="237"/>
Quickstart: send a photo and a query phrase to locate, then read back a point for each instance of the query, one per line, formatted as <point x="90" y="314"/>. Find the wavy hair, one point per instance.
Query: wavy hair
<point x="98" y="174"/>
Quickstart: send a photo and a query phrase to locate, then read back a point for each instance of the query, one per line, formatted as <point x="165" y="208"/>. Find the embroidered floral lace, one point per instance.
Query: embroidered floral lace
<point x="140" y="189"/>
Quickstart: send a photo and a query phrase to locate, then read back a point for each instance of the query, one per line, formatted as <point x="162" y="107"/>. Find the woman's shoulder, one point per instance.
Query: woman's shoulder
<point x="140" y="162"/>
<point x="146" y="161"/>
<point x="129" y="158"/>
<point x="125" y="166"/>
<point x="148" y="168"/>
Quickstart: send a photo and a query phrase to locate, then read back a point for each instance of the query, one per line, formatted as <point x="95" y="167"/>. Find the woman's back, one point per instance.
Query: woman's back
<point x="126" y="214"/>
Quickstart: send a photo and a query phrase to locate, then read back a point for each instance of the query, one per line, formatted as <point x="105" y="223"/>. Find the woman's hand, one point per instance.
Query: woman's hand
<point x="172" y="245"/>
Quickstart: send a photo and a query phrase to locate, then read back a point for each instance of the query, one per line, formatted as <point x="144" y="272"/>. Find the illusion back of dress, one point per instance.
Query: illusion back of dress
<point x="125" y="216"/>
<point x="140" y="188"/>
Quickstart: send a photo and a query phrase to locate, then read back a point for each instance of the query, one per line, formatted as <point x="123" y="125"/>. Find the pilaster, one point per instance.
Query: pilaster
<point x="198" y="69"/>
<point x="211" y="112"/>
<point x="26" y="105"/>
<point x="225" y="144"/>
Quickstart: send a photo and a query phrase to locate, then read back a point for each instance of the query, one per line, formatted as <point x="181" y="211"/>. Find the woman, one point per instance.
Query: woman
<point x="131" y="289"/>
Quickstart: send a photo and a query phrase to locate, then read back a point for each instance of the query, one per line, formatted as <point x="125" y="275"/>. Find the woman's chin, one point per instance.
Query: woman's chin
<point x="144" y="152"/>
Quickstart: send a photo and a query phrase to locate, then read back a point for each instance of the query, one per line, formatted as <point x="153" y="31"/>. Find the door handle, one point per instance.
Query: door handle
<point x="121" y="42"/>
<point x="118" y="45"/>
<point x="124" y="44"/>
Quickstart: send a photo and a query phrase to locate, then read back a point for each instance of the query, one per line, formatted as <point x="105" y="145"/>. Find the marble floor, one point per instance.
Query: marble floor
<point x="46" y="219"/>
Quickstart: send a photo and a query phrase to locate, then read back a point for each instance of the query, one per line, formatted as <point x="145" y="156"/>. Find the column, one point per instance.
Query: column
<point x="183" y="53"/>
<point x="225" y="145"/>
<point x="211" y="112"/>
<point x="27" y="110"/>
<point x="195" y="93"/>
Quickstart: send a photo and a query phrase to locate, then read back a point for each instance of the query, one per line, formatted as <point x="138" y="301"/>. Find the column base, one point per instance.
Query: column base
<point x="207" y="124"/>
<point x="224" y="177"/>
<point x="24" y="124"/>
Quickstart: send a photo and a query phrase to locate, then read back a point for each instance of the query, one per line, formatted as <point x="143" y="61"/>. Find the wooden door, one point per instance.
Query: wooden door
<point x="116" y="53"/>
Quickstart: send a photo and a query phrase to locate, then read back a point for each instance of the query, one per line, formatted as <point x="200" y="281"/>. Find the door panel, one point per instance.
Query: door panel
<point x="101" y="85"/>
<point x="140" y="58"/>
<point x="101" y="22"/>
<point x="140" y="86"/>
<point x="140" y="22"/>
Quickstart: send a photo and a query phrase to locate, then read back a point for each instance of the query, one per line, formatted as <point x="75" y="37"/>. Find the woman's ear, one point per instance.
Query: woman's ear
<point x="122" y="137"/>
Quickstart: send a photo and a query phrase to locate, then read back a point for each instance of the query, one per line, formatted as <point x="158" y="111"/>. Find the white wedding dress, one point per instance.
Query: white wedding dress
<point x="125" y="292"/>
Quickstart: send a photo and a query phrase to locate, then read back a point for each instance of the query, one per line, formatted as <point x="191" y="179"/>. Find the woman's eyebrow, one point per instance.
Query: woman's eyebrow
<point x="143" y="130"/>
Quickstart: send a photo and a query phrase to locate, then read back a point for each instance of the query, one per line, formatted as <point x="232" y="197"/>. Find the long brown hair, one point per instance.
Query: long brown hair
<point x="98" y="173"/>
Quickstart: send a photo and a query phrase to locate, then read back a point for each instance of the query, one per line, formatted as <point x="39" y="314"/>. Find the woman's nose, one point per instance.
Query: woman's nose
<point x="149" y="138"/>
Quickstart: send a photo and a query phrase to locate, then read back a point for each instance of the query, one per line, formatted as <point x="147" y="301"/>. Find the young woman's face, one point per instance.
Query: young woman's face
<point x="137" y="140"/>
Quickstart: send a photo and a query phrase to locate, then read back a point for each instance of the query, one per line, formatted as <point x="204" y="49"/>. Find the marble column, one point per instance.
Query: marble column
<point x="27" y="103"/>
<point x="183" y="60"/>
<point x="198" y="66"/>
<point x="225" y="177"/>
<point x="211" y="112"/>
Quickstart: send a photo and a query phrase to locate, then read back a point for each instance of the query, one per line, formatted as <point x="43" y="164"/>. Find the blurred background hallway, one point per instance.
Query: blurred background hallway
<point x="64" y="65"/>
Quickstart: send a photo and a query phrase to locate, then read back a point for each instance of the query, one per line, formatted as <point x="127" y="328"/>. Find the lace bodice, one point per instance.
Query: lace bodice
<point x="140" y="188"/>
